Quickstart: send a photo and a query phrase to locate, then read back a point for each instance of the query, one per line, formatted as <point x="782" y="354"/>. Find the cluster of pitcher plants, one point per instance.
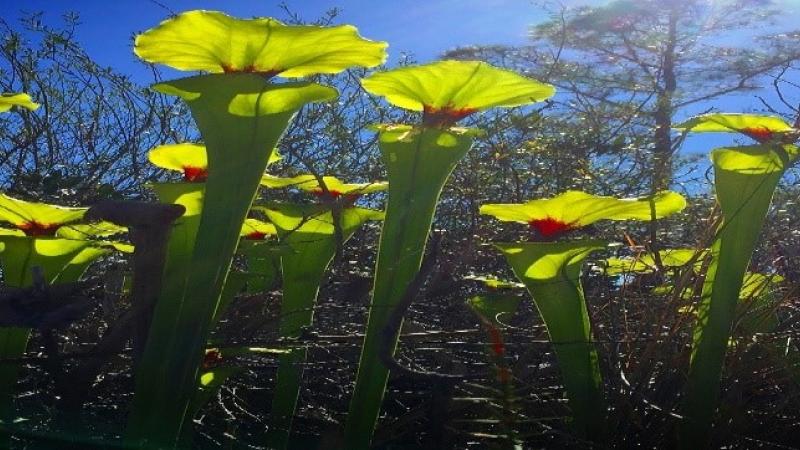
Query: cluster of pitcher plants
<point x="242" y="104"/>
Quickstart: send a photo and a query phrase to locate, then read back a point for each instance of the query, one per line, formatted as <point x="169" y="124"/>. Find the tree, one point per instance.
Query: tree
<point x="628" y="68"/>
<point x="90" y="137"/>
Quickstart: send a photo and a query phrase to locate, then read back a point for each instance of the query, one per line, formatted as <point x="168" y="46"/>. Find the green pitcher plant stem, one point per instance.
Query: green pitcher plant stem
<point x="417" y="170"/>
<point x="311" y="238"/>
<point x="745" y="179"/>
<point x="241" y="116"/>
<point x="551" y="272"/>
<point x="309" y="234"/>
<point x="419" y="160"/>
<point x="179" y="250"/>
<point x="177" y="265"/>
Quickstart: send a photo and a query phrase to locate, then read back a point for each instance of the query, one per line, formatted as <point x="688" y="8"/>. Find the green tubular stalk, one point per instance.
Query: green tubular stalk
<point x="551" y="271"/>
<point x="176" y="268"/>
<point x="745" y="180"/>
<point x="418" y="163"/>
<point x="310" y="238"/>
<point x="18" y="256"/>
<point x="179" y="251"/>
<point x="241" y="118"/>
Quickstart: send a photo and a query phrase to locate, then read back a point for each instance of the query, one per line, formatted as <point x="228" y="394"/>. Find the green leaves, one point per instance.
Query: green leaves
<point x="241" y="117"/>
<point x="315" y="219"/>
<point x="7" y="101"/>
<point x="19" y="254"/>
<point x="418" y="166"/>
<point x="450" y="90"/>
<point x="212" y="41"/>
<point x="575" y="209"/>
<point x="419" y="160"/>
<point x="544" y="262"/>
<point x="89" y="231"/>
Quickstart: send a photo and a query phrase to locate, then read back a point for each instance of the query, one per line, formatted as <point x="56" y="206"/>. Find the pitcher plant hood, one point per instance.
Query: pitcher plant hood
<point x="762" y="128"/>
<point x="256" y="230"/>
<point x="447" y="91"/>
<point x="37" y="219"/>
<point x="575" y="209"/>
<point x="189" y="159"/>
<point x="212" y="41"/>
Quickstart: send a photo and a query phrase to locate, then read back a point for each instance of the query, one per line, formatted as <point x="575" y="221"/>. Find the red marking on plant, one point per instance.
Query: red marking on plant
<point x="255" y="236"/>
<point x="496" y="339"/>
<point x="227" y="68"/>
<point x="34" y="228"/>
<point x="761" y="134"/>
<point x="445" y="116"/>
<point x="211" y="358"/>
<point x="348" y="199"/>
<point x="550" y="227"/>
<point x="195" y="174"/>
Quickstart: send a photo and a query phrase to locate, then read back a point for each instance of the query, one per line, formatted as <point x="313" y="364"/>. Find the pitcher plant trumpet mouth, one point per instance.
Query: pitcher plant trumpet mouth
<point x="419" y="159"/>
<point x="241" y="116"/>
<point x="448" y="91"/>
<point x="551" y="271"/>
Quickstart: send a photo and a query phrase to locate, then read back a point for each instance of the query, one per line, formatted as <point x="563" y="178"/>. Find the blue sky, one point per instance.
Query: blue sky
<point x="424" y="28"/>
